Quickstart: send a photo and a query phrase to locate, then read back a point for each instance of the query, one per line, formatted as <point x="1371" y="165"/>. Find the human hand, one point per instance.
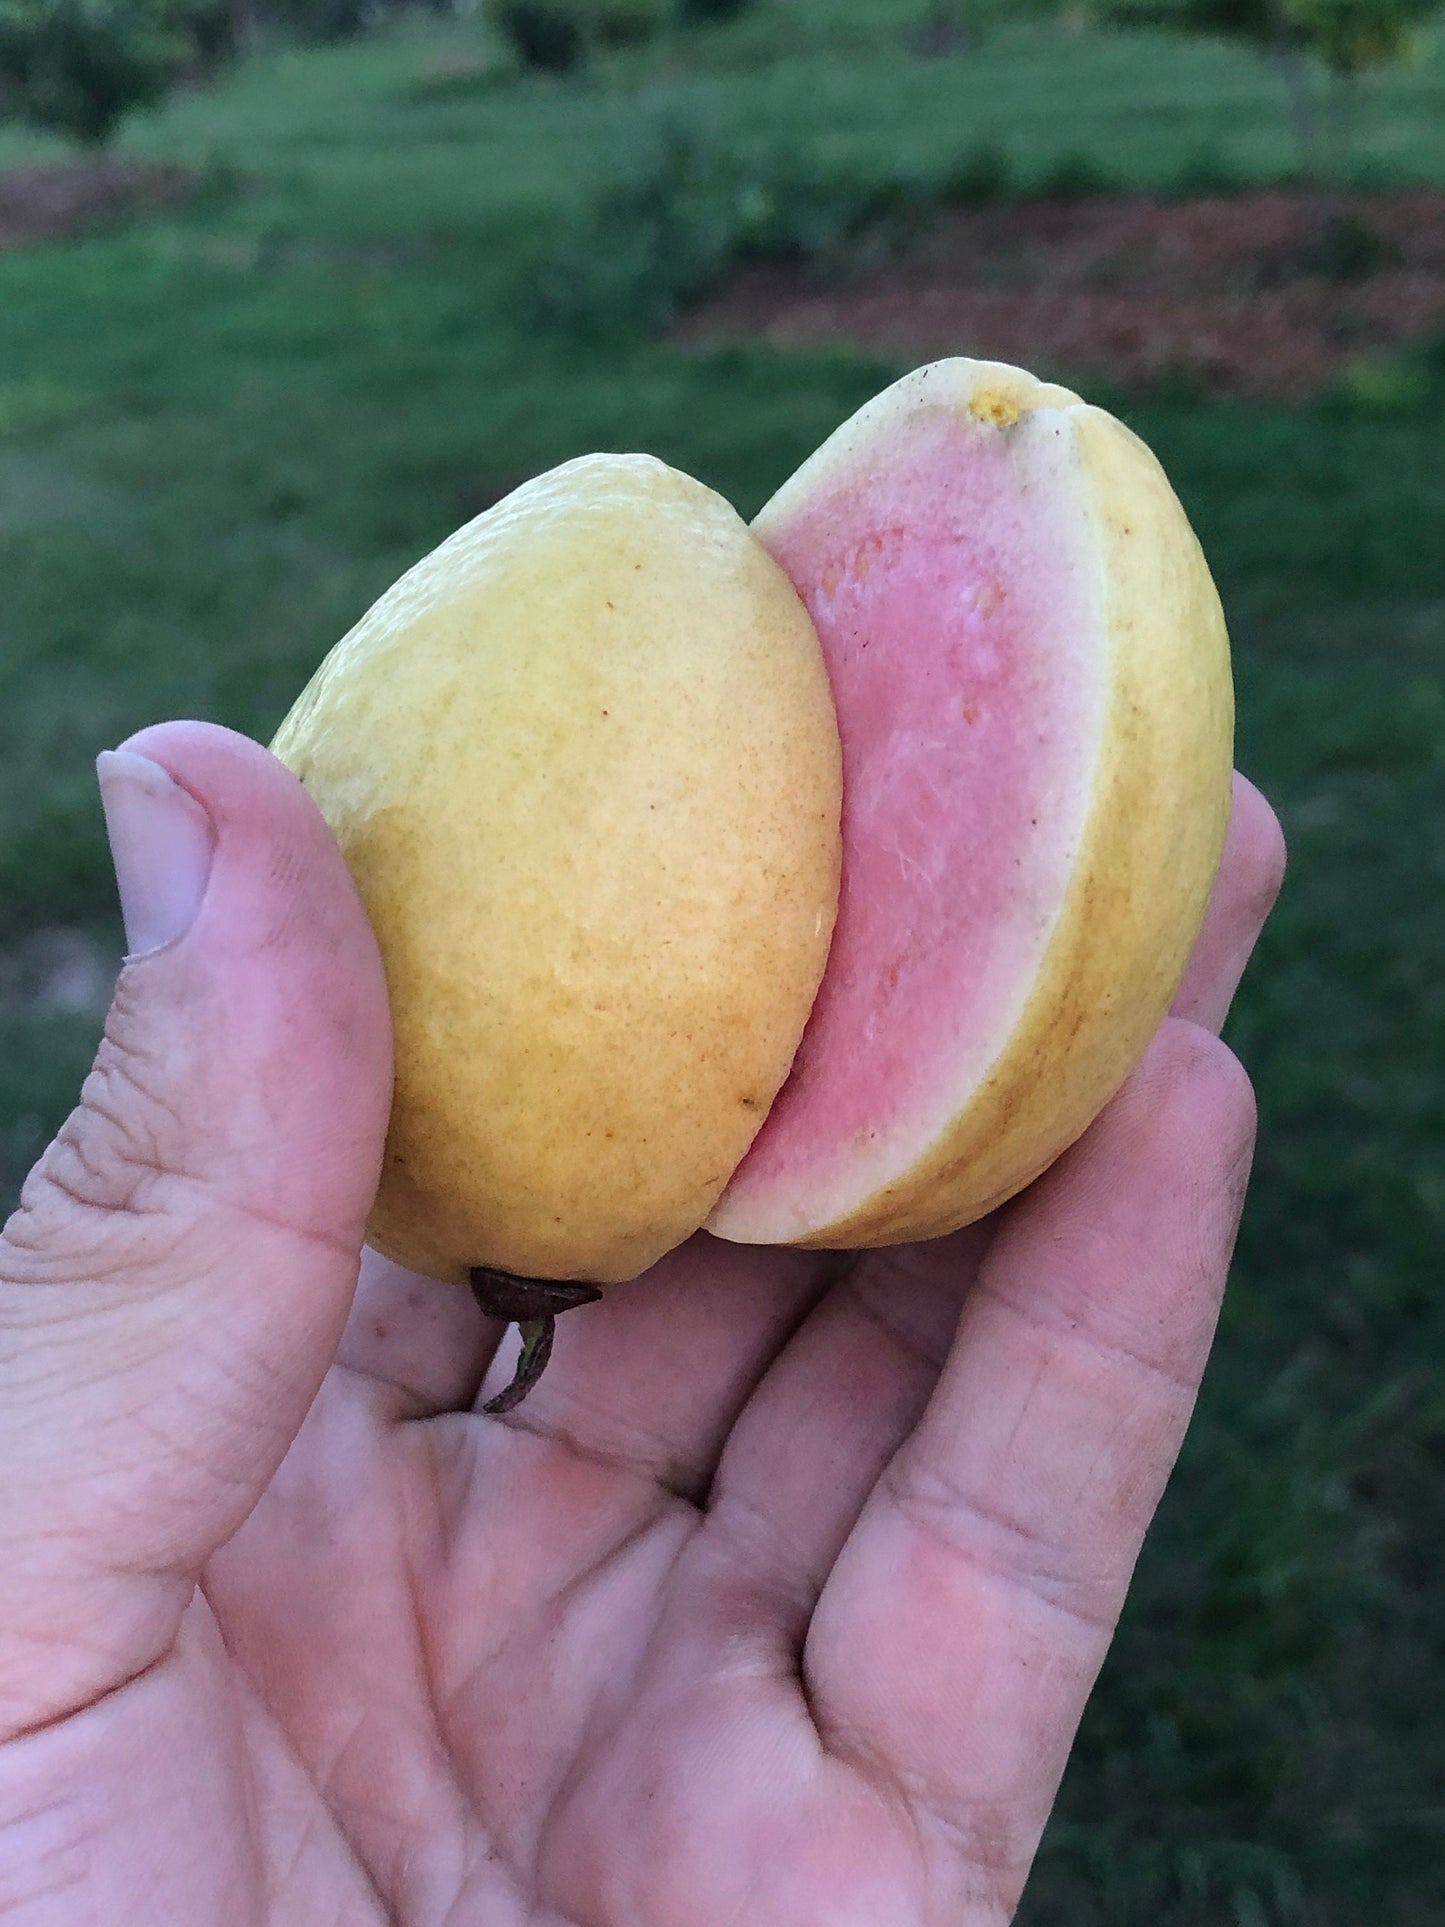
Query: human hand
<point x="778" y="1602"/>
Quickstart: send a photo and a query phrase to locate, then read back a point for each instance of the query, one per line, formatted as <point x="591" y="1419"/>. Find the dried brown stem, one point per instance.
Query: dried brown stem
<point x="532" y="1305"/>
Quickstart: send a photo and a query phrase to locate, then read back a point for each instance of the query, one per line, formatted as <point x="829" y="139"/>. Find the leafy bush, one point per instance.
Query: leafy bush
<point x="324" y="22"/>
<point x="1322" y="48"/>
<point x="700" y="12"/>
<point x="1351" y="36"/>
<point x="214" y="29"/>
<point x="555" y="36"/>
<point x="684" y="211"/>
<point x="542" y="34"/>
<point x="79" y="67"/>
<point x="624" y="23"/>
<point x="1074" y="177"/>
<point x="979" y="176"/>
<point x="1204" y="172"/>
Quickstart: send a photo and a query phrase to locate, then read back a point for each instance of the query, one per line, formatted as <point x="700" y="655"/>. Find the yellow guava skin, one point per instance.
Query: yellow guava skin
<point x="583" y="764"/>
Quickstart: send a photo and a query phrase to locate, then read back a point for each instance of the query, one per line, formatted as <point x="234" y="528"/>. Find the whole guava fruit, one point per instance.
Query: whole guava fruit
<point x="583" y="764"/>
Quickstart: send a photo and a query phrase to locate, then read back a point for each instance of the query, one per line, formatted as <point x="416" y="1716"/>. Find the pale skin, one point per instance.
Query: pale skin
<point x="780" y="1599"/>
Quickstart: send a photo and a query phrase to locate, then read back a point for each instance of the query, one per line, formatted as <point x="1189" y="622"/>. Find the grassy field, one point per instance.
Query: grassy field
<point x="223" y="431"/>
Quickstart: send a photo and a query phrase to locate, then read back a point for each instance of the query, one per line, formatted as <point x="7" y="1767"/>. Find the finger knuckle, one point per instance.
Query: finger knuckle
<point x="120" y="1155"/>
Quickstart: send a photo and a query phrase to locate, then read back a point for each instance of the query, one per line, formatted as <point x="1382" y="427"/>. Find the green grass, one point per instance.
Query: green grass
<point x="222" y="432"/>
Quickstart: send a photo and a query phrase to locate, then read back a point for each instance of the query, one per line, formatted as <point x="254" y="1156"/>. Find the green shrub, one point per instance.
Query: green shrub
<point x="78" y="67"/>
<point x="1323" y="49"/>
<point x="624" y="23"/>
<point x="324" y="22"/>
<point x="683" y="211"/>
<point x="543" y="34"/>
<point x="980" y="176"/>
<point x="1352" y="36"/>
<point x="701" y="12"/>
<point x="556" y="36"/>
<point x="214" y="30"/>
<point x="1074" y="177"/>
<point x="1204" y="172"/>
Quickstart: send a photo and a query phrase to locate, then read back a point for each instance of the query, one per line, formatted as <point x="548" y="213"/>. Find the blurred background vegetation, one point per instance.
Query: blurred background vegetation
<point x="289" y="288"/>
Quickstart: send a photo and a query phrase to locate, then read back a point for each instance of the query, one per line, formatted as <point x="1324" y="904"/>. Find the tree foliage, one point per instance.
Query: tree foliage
<point x="78" y="67"/>
<point x="1347" y="36"/>
<point x="1351" y="36"/>
<point x="559" y="35"/>
<point x="1342" y="39"/>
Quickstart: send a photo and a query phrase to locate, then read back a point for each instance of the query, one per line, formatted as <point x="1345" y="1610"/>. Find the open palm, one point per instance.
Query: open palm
<point x="777" y="1602"/>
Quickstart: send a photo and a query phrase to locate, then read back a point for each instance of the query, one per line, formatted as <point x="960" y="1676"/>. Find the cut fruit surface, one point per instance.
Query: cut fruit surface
<point x="1031" y="675"/>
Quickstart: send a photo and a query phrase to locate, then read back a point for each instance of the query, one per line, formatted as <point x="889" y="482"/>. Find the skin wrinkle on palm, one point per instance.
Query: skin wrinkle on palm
<point x="448" y="1667"/>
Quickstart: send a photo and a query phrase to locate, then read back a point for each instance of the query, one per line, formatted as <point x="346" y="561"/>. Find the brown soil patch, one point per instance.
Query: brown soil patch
<point x="59" y="202"/>
<point x="1229" y="292"/>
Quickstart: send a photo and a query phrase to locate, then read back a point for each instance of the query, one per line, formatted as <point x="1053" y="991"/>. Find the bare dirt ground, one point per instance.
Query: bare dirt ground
<point x="1238" y="294"/>
<point x="1233" y="293"/>
<point x="60" y="201"/>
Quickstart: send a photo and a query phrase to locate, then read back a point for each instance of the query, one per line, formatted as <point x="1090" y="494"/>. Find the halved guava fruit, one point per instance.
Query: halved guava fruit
<point x="1031" y="675"/>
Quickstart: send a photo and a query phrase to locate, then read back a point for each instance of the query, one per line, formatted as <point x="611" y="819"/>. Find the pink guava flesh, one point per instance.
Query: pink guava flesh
<point x="952" y="589"/>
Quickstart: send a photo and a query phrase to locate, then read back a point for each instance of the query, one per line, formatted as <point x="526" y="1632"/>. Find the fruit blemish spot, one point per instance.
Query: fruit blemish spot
<point x="993" y="408"/>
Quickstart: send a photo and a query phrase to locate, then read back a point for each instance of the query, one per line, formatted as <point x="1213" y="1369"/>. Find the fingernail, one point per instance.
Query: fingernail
<point x="161" y="842"/>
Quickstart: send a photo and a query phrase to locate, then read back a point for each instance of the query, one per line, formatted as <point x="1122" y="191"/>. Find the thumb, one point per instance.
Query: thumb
<point x="176" y="1278"/>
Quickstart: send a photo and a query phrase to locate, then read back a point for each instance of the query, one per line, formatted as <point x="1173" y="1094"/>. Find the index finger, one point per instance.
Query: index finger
<point x="1250" y="874"/>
